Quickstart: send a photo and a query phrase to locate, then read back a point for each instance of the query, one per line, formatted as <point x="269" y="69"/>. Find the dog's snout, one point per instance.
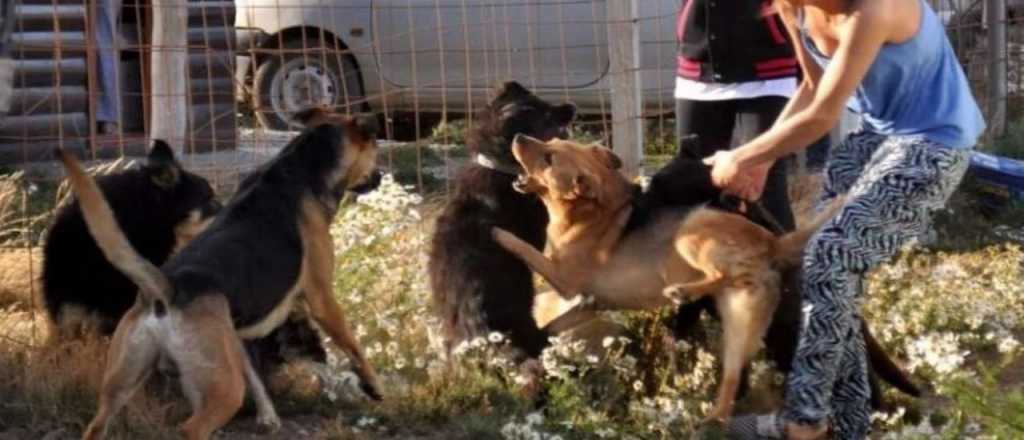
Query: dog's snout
<point x="370" y="183"/>
<point x="211" y="208"/>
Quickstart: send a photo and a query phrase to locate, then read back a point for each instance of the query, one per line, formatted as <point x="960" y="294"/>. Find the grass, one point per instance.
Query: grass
<point x="952" y="313"/>
<point x="1011" y="144"/>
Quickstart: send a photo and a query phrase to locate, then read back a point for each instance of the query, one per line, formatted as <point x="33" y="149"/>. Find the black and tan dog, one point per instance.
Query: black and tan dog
<point x="160" y="207"/>
<point x="477" y="286"/>
<point x="680" y="256"/>
<point x="237" y="279"/>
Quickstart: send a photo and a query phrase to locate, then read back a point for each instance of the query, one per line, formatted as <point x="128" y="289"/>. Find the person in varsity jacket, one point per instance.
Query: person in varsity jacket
<point x="735" y="71"/>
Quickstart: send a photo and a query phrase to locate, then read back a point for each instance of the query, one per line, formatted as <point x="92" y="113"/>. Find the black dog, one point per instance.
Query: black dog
<point x="686" y="181"/>
<point x="160" y="207"/>
<point x="478" y="287"/>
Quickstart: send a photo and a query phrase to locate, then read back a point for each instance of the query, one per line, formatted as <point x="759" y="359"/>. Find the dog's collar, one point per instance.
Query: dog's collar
<point x="492" y="164"/>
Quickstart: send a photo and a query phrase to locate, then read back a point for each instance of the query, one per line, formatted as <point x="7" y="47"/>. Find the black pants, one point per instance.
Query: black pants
<point x="719" y="123"/>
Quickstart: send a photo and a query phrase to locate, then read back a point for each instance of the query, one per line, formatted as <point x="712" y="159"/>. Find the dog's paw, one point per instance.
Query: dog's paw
<point x="269" y="423"/>
<point x="372" y="390"/>
<point x="676" y="294"/>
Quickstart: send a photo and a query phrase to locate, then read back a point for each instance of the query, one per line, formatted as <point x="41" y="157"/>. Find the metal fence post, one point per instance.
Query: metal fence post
<point x="624" y="82"/>
<point x="997" y="92"/>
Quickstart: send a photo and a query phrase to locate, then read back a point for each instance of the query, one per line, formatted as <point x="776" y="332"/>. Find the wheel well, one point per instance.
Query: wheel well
<point x="299" y="32"/>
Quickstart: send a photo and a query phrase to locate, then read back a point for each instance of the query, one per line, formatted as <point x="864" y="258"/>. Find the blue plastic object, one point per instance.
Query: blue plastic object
<point x="1002" y="176"/>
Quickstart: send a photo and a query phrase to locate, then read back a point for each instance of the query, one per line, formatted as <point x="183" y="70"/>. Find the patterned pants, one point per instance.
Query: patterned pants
<point x="893" y="184"/>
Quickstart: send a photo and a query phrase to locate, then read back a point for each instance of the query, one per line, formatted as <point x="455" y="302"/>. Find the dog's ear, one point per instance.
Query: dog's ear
<point x="526" y="139"/>
<point x="163" y="169"/>
<point x="512" y="90"/>
<point x="312" y="116"/>
<point x="583" y="187"/>
<point x="563" y="114"/>
<point x="362" y="128"/>
<point x="607" y="157"/>
<point x="690" y="142"/>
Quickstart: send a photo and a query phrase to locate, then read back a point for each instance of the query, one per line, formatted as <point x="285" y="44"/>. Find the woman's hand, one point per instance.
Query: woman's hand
<point x="744" y="182"/>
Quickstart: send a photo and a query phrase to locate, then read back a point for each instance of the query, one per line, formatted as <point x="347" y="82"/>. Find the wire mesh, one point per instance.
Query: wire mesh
<point x="424" y="66"/>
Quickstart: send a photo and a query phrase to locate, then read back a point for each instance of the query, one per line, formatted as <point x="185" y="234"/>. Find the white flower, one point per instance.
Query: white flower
<point x="534" y="418"/>
<point x="495" y="337"/>
<point x="608" y="341"/>
<point x="1008" y="345"/>
<point x="638" y="386"/>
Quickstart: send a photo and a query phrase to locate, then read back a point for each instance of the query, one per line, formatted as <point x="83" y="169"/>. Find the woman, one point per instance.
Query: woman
<point x="919" y="122"/>
<point x="735" y="71"/>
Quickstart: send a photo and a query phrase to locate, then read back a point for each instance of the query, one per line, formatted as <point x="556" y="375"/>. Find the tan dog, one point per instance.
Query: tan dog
<point x="238" y="279"/>
<point x="680" y="256"/>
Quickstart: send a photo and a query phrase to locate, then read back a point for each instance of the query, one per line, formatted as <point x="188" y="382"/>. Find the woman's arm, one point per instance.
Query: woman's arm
<point x="811" y="70"/>
<point x="860" y="39"/>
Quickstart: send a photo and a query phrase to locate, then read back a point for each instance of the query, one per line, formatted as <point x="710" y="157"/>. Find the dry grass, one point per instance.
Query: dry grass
<point x="19" y="276"/>
<point x="56" y="385"/>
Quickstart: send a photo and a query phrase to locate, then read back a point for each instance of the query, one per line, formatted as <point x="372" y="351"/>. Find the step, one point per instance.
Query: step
<point x="44" y="100"/>
<point x="42" y="72"/>
<point x="39" y="44"/>
<point x="215" y="36"/>
<point x="32" y="128"/>
<point x="44" y="17"/>
<point x="216" y="13"/>
<point x="219" y="64"/>
<point x="204" y="115"/>
<point x="39" y="150"/>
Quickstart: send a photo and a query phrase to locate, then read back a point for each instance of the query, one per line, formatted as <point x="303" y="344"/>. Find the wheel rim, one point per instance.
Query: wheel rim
<point x="300" y="84"/>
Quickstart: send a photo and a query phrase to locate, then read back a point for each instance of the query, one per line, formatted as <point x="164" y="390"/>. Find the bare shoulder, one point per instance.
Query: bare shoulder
<point x="898" y="20"/>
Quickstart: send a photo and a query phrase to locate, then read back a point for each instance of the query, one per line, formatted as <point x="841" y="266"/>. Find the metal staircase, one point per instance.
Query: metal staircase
<point x="50" y="105"/>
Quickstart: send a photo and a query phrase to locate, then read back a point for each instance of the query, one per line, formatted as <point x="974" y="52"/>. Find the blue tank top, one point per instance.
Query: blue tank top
<point x="915" y="88"/>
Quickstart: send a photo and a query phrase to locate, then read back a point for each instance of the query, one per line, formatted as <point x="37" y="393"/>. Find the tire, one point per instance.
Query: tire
<point x="293" y="81"/>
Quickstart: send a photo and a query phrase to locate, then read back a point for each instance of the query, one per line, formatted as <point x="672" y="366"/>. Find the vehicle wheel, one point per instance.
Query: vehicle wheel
<point x="285" y="84"/>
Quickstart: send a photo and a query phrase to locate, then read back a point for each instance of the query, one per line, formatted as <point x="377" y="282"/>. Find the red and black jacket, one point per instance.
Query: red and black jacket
<point x="732" y="41"/>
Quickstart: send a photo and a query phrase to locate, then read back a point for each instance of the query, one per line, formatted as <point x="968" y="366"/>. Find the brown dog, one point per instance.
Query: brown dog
<point x="680" y="256"/>
<point x="238" y="279"/>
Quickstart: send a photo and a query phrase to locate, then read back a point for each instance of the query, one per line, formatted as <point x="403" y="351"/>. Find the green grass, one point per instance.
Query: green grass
<point x="1011" y="144"/>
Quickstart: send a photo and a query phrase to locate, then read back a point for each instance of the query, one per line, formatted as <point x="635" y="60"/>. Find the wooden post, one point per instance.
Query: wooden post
<point x="624" y="80"/>
<point x="997" y="80"/>
<point x="168" y="70"/>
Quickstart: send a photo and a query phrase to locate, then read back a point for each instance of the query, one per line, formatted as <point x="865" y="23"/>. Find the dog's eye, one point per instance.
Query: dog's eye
<point x="547" y="158"/>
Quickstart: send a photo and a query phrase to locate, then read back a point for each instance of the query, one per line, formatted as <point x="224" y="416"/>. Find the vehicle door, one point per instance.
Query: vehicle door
<point x="460" y="44"/>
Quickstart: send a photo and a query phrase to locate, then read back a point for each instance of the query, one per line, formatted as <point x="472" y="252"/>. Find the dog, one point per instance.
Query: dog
<point x="679" y="257"/>
<point x="160" y="206"/>
<point x="237" y="279"/>
<point x="477" y="287"/>
<point x="686" y="182"/>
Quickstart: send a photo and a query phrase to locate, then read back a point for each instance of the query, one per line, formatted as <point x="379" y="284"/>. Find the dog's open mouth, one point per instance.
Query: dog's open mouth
<point x="369" y="184"/>
<point x="522" y="183"/>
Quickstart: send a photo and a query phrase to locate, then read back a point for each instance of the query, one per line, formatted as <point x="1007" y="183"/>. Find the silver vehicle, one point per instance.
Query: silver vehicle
<point x="426" y="55"/>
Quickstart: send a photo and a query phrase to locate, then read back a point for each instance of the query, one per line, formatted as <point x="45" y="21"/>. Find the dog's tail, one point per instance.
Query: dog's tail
<point x="790" y="247"/>
<point x="103" y="227"/>
<point x="884" y="366"/>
